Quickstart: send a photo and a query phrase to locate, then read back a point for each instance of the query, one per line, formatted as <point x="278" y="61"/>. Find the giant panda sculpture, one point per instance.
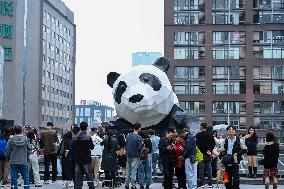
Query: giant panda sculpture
<point x="145" y="95"/>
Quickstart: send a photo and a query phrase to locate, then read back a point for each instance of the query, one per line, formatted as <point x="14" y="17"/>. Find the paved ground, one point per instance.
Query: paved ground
<point x="154" y="186"/>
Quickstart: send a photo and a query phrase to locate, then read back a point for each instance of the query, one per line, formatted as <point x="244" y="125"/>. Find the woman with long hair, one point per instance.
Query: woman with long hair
<point x="251" y="141"/>
<point x="271" y="155"/>
<point x="33" y="157"/>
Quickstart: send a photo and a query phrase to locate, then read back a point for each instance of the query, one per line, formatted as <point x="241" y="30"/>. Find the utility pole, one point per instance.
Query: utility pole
<point x="24" y="68"/>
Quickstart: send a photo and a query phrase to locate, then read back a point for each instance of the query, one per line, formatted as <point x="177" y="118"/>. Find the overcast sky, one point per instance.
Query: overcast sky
<point x="108" y="31"/>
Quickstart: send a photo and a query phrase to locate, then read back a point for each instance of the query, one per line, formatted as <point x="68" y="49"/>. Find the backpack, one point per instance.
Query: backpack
<point x="199" y="155"/>
<point x="144" y="153"/>
<point x="3" y="148"/>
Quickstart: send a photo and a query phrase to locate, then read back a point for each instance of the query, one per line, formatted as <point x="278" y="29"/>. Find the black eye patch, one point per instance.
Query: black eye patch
<point x="120" y="89"/>
<point x="151" y="80"/>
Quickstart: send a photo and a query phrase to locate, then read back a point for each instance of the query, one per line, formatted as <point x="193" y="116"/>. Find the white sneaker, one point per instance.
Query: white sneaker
<point x="70" y="184"/>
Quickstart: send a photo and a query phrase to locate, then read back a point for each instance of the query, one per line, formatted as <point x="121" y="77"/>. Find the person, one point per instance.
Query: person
<point x="168" y="157"/>
<point x="189" y="155"/>
<point x="49" y="140"/>
<point x="215" y="154"/>
<point x="96" y="154"/>
<point x="81" y="155"/>
<point x="145" y="165"/>
<point x="155" y="151"/>
<point x="75" y="130"/>
<point x="206" y="143"/>
<point x="133" y="148"/>
<point x="232" y="150"/>
<point x="179" y="166"/>
<point x="251" y="141"/>
<point x="34" y="157"/>
<point x="121" y="156"/>
<point x="67" y="174"/>
<point x="18" y="151"/>
<point x="4" y="164"/>
<point x="109" y="159"/>
<point x="271" y="155"/>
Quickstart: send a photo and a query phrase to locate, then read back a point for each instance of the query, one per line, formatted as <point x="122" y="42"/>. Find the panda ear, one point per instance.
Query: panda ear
<point x="111" y="78"/>
<point x="163" y="64"/>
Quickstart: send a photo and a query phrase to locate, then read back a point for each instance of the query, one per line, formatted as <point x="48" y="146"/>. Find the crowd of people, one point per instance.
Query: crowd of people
<point x="135" y="157"/>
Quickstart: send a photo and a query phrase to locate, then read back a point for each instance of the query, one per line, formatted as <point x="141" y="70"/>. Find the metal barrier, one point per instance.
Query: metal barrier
<point x="244" y="167"/>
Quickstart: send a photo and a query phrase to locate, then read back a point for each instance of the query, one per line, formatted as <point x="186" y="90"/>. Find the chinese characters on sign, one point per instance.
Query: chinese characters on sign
<point x="6" y="30"/>
<point x="7" y="53"/>
<point x="6" y="8"/>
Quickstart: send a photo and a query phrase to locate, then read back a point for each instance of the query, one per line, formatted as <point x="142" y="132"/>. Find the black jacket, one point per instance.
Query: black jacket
<point x="148" y="144"/>
<point x="81" y="148"/>
<point x="167" y="155"/>
<point x="109" y="157"/>
<point x="205" y="141"/>
<point x="271" y="155"/>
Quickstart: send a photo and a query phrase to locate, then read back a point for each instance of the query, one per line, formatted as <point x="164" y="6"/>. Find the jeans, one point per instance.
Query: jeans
<point x="15" y="169"/>
<point x="131" y="170"/>
<point x="145" y="171"/>
<point x="47" y="159"/>
<point x="205" y="167"/>
<point x="35" y="167"/>
<point x="155" y="158"/>
<point x="191" y="173"/>
<point x="80" y="170"/>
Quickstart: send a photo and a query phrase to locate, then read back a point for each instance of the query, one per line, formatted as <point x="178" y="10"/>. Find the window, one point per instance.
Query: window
<point x="192" y="107"/>
<point x="185" y="5"/>
<point x="189" y="38"/>
<point x="268" y="44"/>
<point x="228" y="52"/>
<point x="229" y="107"/>
<point x="228" y="38"/>
<point x="190" y="18"/>
<point x="228" y="4"/>
<point x="233" y="17"/>
<point x="189" y="53"/>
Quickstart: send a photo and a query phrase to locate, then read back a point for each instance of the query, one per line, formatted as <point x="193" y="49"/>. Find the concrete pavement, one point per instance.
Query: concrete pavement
<point x="59" y="185"/>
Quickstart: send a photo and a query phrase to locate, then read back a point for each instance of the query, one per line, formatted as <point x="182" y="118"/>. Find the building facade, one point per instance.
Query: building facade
<point x="145" y="58"/>
<point x="1" y="79"/>
<point x="93" y="112"/>
<point x="39" y="41"/>
<point x="228" y="60"/>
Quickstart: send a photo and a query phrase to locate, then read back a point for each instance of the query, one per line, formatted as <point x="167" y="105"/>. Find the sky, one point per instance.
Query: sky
<point x="107" y="32"/>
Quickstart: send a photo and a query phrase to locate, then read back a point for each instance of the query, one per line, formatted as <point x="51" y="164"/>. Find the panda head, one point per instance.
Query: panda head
<point x="144" y="94"/>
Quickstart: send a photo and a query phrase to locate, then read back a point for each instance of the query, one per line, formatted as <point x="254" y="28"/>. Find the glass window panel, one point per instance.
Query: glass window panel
<point x="181" y="72"/>
<point x="181" y="53"/>
<point x="265" y="87"/>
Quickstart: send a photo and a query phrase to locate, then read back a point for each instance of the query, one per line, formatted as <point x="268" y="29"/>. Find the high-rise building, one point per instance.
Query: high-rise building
<point x="145" y="58"/>
<point x="93" y="112"/>
<point x="1" y="79"/>
<point x="39" y="40"/>
<point x="228" y="60"/>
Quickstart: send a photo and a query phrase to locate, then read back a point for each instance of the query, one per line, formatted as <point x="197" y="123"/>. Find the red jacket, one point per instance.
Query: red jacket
<point x="179" y="152"/>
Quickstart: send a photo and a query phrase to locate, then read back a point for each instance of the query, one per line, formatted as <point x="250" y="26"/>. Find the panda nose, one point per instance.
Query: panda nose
<point x="136" y="98"/>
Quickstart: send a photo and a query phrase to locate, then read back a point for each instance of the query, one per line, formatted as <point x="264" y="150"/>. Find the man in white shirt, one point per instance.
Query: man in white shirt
<point x="96" y="154"/>
<point x="235" y="147"/>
